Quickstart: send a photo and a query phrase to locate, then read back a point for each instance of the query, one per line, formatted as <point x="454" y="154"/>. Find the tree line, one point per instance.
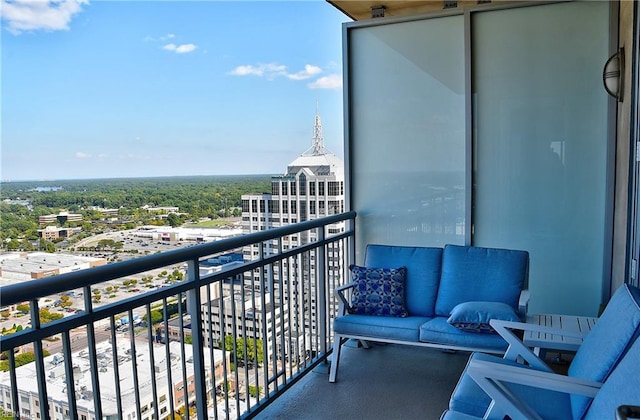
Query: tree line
<point x="196" y="197"/>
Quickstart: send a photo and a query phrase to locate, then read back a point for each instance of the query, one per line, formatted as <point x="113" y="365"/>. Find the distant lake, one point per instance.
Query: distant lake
<point x="45" y="189"/>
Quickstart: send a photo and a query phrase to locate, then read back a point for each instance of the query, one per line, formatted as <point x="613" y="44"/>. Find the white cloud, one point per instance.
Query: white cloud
<point x="33" y="15"/>
<point x="309" y="71"/>
<point x="82" y="155"/>
<point x="333" y="81"/>
<point x="272" y="70"/>
<point x="180" y="49"/>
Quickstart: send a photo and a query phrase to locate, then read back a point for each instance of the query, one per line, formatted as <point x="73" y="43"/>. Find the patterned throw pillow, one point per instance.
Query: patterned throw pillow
<point x="378" y="291"/>
<point x="475" y="316"/>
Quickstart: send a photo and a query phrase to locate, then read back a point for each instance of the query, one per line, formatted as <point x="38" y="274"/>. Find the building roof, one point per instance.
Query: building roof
<point x="317" y="158"/>
<point x="317" y="164"/>
<point x="57" y="382"/>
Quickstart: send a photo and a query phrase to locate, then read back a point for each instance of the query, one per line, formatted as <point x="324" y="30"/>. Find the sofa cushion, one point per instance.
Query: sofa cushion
<point x="383" y="327"/>
<point x="475" y="316"/>
<point x="472" y="273"/>
<point x="438" y="330"/>
<point x="378" y="291"/>
<point x="423" y="273"/>
<point x="616" y="329"/>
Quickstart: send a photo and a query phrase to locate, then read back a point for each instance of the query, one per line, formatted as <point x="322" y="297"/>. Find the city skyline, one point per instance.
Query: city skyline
<point x="145" y="89"/>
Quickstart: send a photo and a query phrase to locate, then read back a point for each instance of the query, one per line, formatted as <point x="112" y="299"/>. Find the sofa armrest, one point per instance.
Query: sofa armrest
<point x="523" y="303"/>
<point x="339" y="293"/>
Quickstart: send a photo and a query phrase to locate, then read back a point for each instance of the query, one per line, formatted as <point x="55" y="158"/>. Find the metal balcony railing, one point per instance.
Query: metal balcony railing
<point x="220" y="345"/>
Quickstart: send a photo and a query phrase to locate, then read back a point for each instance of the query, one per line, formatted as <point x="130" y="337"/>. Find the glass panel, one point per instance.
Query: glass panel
<point x="407" y="132"/>
<point x="540" y="146"/>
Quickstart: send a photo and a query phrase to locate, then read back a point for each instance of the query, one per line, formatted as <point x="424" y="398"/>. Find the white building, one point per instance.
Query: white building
<point x="312" y="187"/>
<point x="244" y="315"/>
<point x="57" y="382"/>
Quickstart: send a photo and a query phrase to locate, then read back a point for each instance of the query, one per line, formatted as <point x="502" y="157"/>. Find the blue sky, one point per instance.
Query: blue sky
<point x="107" y="89"/>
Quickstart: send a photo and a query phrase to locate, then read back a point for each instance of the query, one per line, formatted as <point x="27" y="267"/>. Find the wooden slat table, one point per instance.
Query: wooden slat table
<point x="569" y="323"/>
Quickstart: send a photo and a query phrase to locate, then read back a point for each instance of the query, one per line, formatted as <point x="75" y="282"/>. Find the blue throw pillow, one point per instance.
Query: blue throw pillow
<point x="475" y="316"/>
<point x="378" y="291"/>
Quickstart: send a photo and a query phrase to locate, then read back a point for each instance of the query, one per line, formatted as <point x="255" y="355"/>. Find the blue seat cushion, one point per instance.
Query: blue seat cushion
<point x="454" y="415"/>
<point x="423" y="273"/>
<point x="614" y="332"/>
<point x="383" y="327"/>
<point x="621" y="387"/>
<point x="468" y="398"/>
<point x="438" y="330"/>
<point x="471" y="273"/>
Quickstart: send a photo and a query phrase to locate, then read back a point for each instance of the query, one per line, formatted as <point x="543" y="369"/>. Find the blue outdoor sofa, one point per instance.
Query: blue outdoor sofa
<point x="432" y="297"/>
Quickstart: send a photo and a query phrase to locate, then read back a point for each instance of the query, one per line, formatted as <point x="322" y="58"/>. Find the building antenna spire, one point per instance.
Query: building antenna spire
<point x="318" y="140"/>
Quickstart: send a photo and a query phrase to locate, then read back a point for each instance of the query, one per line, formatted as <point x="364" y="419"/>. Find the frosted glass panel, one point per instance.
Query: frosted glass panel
<point x="407" y="138"/>
<point x="540" y="146"/>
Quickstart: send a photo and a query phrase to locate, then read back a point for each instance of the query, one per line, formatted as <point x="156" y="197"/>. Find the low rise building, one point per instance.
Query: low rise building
<point x="52" y="233"/>
<point x="57" y="382"/>
<point x="60" y="218"/>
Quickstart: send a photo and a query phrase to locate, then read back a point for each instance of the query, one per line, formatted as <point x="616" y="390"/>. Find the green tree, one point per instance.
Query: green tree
<point x="27" y="245"/>
<point x="156" y="316"/>
<point x="65" y="301"/>
<point x="174" y="220"/>
<point x="20" y="359"/>
<point x="5" y="415"/>
<point x="48" y="316"/>
<point x="252" y="347"/>
<point x="47" y="246"/>
<point x="255" y="391"/>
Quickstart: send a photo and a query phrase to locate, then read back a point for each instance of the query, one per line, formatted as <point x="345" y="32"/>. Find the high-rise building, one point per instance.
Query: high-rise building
<point x="312" y="187"/>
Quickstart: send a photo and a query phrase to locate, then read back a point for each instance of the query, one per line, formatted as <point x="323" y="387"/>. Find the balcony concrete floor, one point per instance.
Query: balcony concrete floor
<point x="383" y="382"/>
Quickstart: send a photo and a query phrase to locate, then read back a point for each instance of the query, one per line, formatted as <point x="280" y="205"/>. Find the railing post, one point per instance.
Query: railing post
<point x="351" y="243"/>
<point x="199" y="369"/>
<point x="322" y="291"/>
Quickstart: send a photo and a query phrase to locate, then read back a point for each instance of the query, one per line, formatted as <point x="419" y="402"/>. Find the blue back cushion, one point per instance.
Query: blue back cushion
<point x="471" y="273"/>
<point x="607" y="343"/>
<point x="622" y="387"/>
<point x="423" y="273"/>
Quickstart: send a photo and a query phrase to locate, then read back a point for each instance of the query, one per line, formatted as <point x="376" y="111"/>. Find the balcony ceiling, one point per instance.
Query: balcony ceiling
<point x="361" y="9"/>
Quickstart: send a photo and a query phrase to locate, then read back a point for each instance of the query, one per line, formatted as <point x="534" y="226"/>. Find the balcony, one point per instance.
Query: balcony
<point x="263" y="324"/>
<point x="384" y="382"/>
<point x="168" y="365"/>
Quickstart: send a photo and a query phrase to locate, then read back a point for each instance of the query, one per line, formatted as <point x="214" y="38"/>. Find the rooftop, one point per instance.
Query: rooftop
<point x="57" y="381"/>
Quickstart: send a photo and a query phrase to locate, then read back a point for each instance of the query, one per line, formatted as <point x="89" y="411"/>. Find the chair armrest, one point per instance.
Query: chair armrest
<point x="523" y="326"/>
<point x="523" y="303"/>
<point x="494" y="379"/>
<point x="339" y="293"/>
<point x="517" y="350"/>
